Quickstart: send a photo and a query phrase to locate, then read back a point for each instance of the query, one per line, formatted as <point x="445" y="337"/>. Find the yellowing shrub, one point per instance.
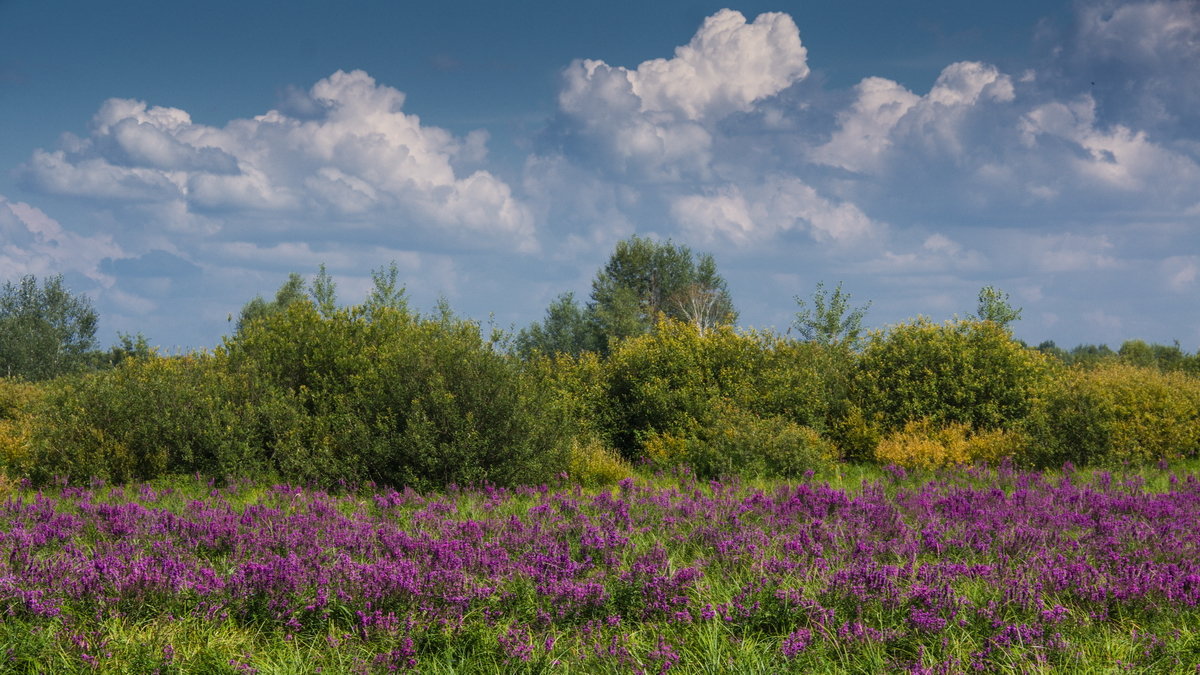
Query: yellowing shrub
<point x="1115" y="413"/>
<point x="593" y="464"/>
<point x="16" y="399"/>
<point x="970" y="372"/>
<point x="924" y="445"/>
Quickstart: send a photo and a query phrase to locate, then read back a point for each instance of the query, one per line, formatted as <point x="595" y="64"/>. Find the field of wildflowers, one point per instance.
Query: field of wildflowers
<point x="970" y="570"/>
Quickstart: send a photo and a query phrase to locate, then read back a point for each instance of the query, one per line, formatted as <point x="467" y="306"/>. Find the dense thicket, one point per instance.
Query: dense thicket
<point x="358" y="395"/>
<point x="310" y="391"/>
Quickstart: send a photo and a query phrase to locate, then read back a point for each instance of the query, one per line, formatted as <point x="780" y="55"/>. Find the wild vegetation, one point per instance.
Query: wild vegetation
<point x="630" y="484"/>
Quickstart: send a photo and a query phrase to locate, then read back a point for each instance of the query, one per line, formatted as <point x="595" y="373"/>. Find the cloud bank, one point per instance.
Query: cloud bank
<point x="1074" y="183"/>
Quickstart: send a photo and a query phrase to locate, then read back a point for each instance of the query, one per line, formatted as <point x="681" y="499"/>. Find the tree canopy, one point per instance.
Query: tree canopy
<point x="642" y="282"/>
<point x="45" y="331"/>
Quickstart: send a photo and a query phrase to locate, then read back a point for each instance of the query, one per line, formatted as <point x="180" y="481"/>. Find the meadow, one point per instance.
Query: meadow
<point x="858" y="569"/>
<point x="369" y="489"/>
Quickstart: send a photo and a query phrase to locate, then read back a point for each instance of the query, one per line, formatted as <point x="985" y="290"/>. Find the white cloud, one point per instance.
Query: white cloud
<point x="32" y="242"/>
<point x="1181" y="272"/>
<point x="1115" y="157"/>
<point x="1142" y="59"/>
<point x="358" y="155"/>
<point x="884" y="112"/>
<point x="656" y="121"/>
<point x="758" y="213"/>
<point x="864" y="133"/>
<point x="1071" y="253"/>
<point x="727" y="66"/>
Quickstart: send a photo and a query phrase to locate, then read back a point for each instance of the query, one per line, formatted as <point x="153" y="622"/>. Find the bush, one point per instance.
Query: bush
<point x="674" y="380"/>
<point x="594" y="464"/>
<point x="150" y="417"/>
<point x="16" y="402"/>
<point x="400" y="399"/>
<point x="1114" y="413"/>
<point x="736" y="441"/>
<point x="924" y="445"/>
<point x="968" y="372"/>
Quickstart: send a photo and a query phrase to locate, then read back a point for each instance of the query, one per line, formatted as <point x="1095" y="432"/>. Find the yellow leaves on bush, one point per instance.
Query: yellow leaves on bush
<point x="925" y="445"/>
<point x="16" y="399"/>
<point x="594" y="464"/>
<point x="1115" y="413"/>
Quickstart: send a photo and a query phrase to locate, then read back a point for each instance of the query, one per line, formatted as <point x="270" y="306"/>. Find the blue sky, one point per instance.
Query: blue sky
<point x="172" y="161"/>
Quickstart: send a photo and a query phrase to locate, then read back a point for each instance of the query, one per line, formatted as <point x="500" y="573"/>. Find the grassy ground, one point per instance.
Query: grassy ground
<point x="861" y="570"/>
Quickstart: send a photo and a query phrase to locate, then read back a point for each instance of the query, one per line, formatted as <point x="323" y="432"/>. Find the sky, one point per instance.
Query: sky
<point x="173" y="160"/>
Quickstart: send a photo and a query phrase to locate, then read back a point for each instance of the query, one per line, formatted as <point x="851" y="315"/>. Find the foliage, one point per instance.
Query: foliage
<point x="45" y="331"/>
<point x="994" y="306"/>
<point x="830" y="322"/>
<point x="17" y="399"/>
<point x="668" y="381"/>
<point x="645" y="280"/>
<point x="291" y="291"/>
<point x="594" y="464"/>
<point x="400" y="399"/>
<point x="970" y="372"/>
<point x="566" y="330"/>
<point x="151" y="417"/>
<point x="923" y="445"/>
<point x="323" y="291"/>
<point x="387" y="293"/>
<point x="734" y="441"/>
<point x="1115" y="413"/>
<point x="856" y="435"/>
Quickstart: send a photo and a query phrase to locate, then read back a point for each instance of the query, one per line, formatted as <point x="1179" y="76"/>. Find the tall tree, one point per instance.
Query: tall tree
<point x="291" y="291"/>
<point x="994" y="306"/>
<point x="45" y="331"/>
<point x="645" y="280"/>
<point x="387" y="291"/>
<point x="830" y="321"/>
<point x="566" y="329"/>
<point x="323" y="291"/>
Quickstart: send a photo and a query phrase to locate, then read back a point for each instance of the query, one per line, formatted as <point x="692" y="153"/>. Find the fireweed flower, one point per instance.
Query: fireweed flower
<point x="1018" y="558"/>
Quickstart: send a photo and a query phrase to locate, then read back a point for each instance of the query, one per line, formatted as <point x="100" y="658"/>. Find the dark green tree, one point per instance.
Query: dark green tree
<point x="45" y="331"/>
<point x="565" y="330"/>
<point x="645" y="280"/>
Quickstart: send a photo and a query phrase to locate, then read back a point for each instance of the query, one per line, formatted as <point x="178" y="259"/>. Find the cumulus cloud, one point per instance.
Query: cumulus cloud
<point x="885" y="113"/>
<point x="656" y="121"/>
<point x="1113" y="157"/>
<point x="32" y="242"/>
<point x="356" y="154"/>
<point x="758" y="213"/>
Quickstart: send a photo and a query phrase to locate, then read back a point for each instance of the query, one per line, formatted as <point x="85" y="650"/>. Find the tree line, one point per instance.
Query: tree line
<point x="648" y="371"/>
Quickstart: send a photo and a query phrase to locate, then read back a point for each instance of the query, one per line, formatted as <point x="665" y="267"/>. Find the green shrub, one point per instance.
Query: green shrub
<point x="150" y="417"/>
<point x="1114" y="413"/>
<point x="736" y="441"/>
<point x="673" y="380"/>
<point x="969" y="372"/>
<point x="400" y="399"/>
